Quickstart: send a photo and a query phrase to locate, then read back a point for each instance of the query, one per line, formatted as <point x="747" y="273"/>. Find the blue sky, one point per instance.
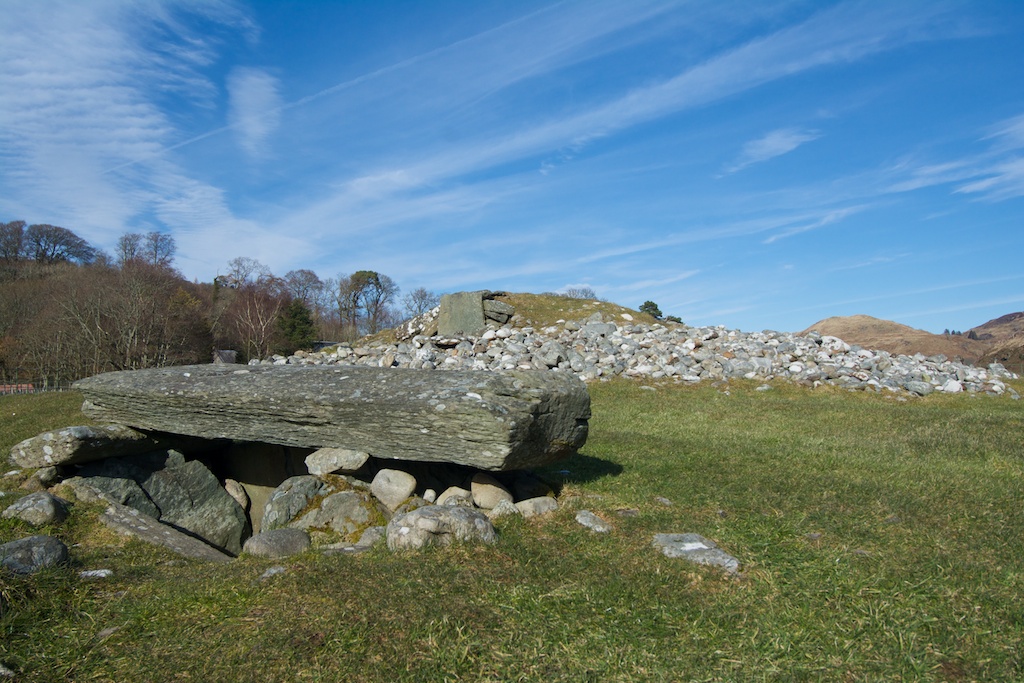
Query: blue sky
<point x="756" y="165"/>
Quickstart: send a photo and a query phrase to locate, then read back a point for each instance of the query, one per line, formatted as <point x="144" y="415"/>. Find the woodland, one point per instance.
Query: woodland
<point x="69" y="310"/>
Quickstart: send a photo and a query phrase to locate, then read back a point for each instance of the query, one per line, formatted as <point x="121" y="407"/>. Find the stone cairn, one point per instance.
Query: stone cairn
<point x="603" y="346"/>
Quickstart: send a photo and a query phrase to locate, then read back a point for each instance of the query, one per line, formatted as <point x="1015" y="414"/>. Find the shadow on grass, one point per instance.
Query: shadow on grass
<point x="580" y="469"/>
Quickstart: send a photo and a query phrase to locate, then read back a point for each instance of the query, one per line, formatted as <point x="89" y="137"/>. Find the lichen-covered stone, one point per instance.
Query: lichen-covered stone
<point x="29" y="555"/>
<point x="277" y="543"/>
<point x="38" y="509"/>
<point x="491" y="421"/>
<point x="75" y="445"/>
<point x="438" y="525"/>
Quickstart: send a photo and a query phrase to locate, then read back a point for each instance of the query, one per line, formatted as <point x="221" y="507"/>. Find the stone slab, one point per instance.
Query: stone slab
<point x="487" y="420"/>
<point x="125" y="520"/>
<point x="461" y="314"/>
<point x="77" y="445"/>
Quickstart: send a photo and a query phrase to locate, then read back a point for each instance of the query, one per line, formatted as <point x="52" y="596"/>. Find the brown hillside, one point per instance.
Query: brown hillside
<point x="1003" y="328"/>
<point x="872" y="333"/>
<point x="1010" y="353"/>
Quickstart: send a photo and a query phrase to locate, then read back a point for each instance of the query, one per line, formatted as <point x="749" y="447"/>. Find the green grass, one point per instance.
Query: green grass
<point x="880" y="540"/>
<point x="26" y="415"/>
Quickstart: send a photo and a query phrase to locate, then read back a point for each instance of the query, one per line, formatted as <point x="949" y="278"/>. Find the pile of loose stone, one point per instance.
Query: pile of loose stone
<point x="600" y="348"/>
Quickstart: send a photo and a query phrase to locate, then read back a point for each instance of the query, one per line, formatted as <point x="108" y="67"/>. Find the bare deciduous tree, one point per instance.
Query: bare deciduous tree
<point x="128" y="247"/>
<point x="419" y="301"/>
<point x="582" y="292"/>
<point x="159" y="249"/>
<point x="12" y="237"/>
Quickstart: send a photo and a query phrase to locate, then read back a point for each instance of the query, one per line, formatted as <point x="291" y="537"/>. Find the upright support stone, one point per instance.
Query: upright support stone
<point x="461" y="315"/>
<point x="487" y="420"/>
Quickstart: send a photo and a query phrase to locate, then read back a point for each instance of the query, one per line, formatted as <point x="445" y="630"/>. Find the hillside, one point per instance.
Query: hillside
<point x="885" y="335"/>
<point x="1010" y="353"/>
<point x="1002" y="329"/>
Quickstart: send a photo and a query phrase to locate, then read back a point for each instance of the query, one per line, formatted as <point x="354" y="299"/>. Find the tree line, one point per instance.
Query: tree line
<point x="69" y="310"/>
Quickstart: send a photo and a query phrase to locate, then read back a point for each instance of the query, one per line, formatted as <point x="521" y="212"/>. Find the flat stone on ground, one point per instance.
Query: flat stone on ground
<point x="696" y="548"/>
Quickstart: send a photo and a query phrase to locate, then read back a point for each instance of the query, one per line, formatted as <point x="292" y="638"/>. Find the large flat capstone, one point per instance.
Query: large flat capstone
<point x="493" y="421"/>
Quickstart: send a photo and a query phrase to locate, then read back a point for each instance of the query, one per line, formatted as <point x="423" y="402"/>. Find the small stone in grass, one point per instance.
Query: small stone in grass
<point x="593" y="522"/>
<point x="96" y="574"/>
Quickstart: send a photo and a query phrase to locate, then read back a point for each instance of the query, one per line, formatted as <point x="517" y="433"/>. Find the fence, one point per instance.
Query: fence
<point x="33" y="387"/>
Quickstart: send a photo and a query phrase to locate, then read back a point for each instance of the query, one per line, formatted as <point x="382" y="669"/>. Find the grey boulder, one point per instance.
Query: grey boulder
<point x="345" y="512"/>
<point x="76" y="445"/>
<point x="38" y="509"/>
<point x="491" y="421"/>
<point x="30" y="555"/>
<point x="131" y="522"/>
<point x="175" y="491"/>
<point x="438" y="525"/>
<point x="290" y="498"/>
<point x="277" y="543"/>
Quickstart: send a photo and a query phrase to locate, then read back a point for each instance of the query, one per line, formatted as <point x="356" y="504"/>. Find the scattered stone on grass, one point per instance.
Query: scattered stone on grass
<point x="38" y="509"/>
<point x="695" y="548"/>
<point x="535" y="507"/>
<point x="277" y="543"/>
<point x="593" y="522"/>
<point x="96" y="574"/>
<point x="32" y="554"/>
<point x="271" y="572"/>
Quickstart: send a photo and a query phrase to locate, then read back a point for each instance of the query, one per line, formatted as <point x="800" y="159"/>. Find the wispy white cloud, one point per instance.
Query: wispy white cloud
<point x="89" y="101"/>
<point x="1008" y="134"/>
<point x="829" y="217"/>
<point x="994" y="174"/>
<point x="652" y="283"/>
<point x="842" y="34"/>
<point x="254" y="108"/>
<point x="1002" y="180"/>
<point x="771" y="145"/>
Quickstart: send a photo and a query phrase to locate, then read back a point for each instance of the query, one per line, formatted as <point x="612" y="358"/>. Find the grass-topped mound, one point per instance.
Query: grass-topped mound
<point x="542" y="310"/>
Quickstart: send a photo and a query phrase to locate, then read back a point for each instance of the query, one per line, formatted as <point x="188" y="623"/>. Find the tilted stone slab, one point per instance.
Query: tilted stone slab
<point x="76" y="445"/>
<point x="130" y="522"/>
<point x="492" y="421"/>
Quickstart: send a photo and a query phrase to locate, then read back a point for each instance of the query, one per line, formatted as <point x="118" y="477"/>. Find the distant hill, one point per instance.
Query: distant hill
<point x="1002" y="329"/>
<point x="873" y="333"/>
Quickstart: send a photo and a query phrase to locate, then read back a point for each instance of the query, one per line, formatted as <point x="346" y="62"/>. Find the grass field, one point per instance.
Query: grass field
<point x="879" y="540"/>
